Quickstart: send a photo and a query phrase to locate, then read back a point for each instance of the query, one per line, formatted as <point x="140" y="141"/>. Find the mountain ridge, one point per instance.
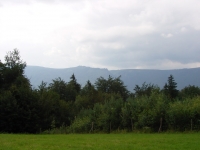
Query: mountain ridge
<point x="130" y="77"/>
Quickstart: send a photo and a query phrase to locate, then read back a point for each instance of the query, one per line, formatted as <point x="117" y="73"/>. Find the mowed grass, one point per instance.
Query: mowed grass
<point x="132" y="141"/>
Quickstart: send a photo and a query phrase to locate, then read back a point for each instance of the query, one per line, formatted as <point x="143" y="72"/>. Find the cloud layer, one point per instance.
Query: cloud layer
<point x="112" y="34"/>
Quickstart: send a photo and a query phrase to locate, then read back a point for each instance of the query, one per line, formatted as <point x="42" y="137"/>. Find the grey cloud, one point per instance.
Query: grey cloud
<point x="28" y="2"/>
<point x="151" y="49"/>
<point x="3" y="2"/>
<point x="126" y="34"/>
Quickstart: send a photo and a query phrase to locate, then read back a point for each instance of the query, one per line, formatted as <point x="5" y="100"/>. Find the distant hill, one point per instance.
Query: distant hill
<point x="130" y="77"/>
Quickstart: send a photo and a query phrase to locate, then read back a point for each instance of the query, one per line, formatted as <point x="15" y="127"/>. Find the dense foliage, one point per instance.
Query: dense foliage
<point x="106" y="106"/>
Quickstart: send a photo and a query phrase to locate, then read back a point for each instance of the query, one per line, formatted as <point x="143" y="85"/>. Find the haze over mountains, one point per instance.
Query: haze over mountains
<point x="130" y="77"/>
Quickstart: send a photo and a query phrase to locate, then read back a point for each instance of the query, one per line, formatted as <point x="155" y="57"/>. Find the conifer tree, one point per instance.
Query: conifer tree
<point x="170" y="88"/>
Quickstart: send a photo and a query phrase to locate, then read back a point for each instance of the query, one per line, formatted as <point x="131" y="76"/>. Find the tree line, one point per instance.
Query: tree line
<point x="105" y="106"/>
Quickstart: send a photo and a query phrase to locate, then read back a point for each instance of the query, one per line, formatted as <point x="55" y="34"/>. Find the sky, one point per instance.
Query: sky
<point x="112" y="34"/>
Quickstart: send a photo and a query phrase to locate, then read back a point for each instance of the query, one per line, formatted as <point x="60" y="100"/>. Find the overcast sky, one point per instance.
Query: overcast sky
<point x="113" y="34"/>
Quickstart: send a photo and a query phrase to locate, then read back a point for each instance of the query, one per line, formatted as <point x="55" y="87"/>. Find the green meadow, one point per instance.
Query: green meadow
<point x="132" y="141"/>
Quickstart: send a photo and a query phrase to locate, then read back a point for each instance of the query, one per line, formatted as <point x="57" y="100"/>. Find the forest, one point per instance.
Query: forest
<point x="105" y="106"/>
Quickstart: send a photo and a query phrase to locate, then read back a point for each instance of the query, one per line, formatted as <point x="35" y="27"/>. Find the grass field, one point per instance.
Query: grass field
<point x="132" y="141"/>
